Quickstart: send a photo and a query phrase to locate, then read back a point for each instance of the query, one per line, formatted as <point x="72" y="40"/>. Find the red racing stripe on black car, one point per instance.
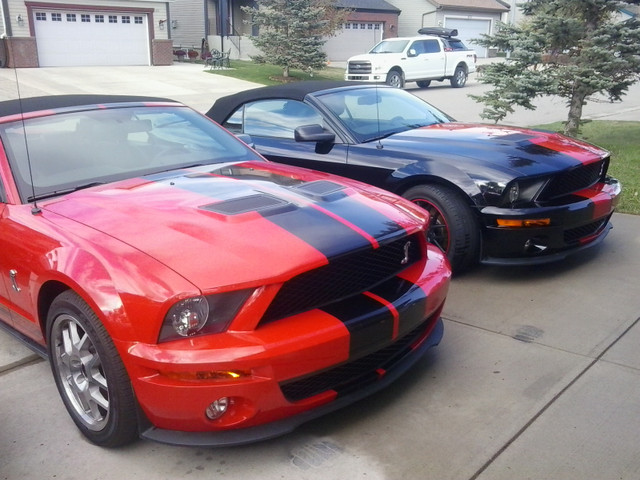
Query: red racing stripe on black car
<point x="581" y="152"/>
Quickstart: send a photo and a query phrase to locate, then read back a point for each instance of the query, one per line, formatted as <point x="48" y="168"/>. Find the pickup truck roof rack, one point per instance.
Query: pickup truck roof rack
<point x="438" y="31"/>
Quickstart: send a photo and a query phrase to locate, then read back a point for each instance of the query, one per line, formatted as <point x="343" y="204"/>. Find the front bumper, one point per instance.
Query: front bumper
<point x="573" y="227"/>
<point x="369" y="78"/>
<point x="288" y="371"/>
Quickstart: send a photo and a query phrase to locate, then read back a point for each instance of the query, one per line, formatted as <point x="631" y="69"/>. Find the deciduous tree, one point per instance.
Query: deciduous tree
<point x="570" y="48"/>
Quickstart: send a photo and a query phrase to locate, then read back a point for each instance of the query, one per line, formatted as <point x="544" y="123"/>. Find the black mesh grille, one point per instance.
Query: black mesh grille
<point x="574" y="234"/>
<point x="573" y="180"/>
<point x="343" y="277"/>
<point x="353" y="375"/>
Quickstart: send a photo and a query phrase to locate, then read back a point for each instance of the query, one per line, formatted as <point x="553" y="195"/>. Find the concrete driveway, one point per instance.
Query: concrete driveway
<point x="538" y="375"/>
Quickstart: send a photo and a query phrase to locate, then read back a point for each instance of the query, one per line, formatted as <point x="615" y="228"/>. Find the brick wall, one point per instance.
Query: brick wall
<point x="22" y="52"/>
<point x="161" y="52"/>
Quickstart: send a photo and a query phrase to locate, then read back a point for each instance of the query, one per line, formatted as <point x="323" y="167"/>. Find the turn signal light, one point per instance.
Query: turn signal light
<point x="213" y="375"/>
<point x="533" y="222"/>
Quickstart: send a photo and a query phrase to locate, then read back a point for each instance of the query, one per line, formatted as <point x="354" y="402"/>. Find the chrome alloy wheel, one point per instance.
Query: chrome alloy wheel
<point x="80" y="371"/>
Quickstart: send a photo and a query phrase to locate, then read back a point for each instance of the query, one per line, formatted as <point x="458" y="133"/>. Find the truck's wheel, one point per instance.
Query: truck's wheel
<point x="394" y="79"/>
<point x="423" y="83"/>
<point x="459" y="78"/>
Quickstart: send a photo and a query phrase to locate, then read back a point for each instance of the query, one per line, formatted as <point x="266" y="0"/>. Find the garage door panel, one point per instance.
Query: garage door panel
<point x="469" y="29"/>
<point x="353" y="41"/>
<point x="78" y="38"/>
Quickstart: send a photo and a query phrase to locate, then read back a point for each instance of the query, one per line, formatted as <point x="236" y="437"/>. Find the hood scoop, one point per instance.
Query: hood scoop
<point x="321" y="190"/>
<point x="260" y="203"/>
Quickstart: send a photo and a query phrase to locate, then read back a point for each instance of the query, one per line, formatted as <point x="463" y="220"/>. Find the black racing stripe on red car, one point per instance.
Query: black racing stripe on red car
<point x="414" y="305"/>
<point x="323" y="232"/>
<point x="369" y="322"/>
<point x="372" y="323"/>
<point x="330" y="195"/>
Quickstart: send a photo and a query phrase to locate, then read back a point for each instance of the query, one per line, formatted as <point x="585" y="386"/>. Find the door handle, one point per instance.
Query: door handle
<point x="14" y="284"/>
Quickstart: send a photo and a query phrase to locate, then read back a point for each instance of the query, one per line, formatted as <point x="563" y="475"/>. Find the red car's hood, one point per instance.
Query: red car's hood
<point x="240" y="224"/>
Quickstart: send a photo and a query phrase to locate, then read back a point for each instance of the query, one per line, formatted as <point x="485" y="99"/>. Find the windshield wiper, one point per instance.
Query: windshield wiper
<point x="65" y="191"/>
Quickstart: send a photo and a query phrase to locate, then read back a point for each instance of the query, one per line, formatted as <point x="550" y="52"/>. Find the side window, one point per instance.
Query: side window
<point x="431" y="46"/>
<point x="276" y="118"/>
<point x="417" y="47"/>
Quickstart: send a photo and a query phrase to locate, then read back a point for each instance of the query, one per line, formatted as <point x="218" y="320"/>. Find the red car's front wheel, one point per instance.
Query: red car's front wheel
<point x="452" y="226"/>
<point x="89" y="374"/>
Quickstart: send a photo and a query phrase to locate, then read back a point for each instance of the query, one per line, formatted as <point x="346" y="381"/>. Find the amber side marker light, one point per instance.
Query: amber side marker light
<point x="215" y="375"/>
<point x="533" y="222"/>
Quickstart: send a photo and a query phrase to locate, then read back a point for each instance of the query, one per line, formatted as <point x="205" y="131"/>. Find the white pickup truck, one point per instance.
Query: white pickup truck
<point x="434" y="55"/>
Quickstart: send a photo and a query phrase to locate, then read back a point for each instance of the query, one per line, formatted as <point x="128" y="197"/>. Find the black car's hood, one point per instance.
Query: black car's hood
<point x="514" y="150"/>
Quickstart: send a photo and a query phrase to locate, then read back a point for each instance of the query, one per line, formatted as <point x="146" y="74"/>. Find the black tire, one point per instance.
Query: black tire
<point x="453" y="227"/>
<point x="89" y="373"/>
<point x="395" y="79"/>
<point x="423" y="83"/>
<point x="459" y="78"/>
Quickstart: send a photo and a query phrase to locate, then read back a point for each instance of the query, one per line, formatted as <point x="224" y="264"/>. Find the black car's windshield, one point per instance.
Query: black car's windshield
<point x="370" y="113"/>
<point x="390" y="46"/>
<point x="68" y="151"/>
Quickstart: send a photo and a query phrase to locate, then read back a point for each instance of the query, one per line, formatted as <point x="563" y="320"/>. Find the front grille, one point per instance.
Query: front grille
<point x="351" y="376"/>
<point x="573" y="180"/>
<point x="359" y="67"/>
<point x="343" y="277"/>
<point x="573" y="235"/>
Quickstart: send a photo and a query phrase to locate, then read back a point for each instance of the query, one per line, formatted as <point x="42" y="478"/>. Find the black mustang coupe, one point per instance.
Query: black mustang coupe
<point x="496" y="194"/>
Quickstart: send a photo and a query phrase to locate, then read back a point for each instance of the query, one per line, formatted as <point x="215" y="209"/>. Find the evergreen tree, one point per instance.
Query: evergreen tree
<point x="292" y="31"/>
<point x="570" y="48"/>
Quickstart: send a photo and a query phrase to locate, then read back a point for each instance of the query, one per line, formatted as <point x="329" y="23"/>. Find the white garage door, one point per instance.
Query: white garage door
<point x="468" y="29"/>
<point x="353" y="39"/>
<point x="76" y="38"/>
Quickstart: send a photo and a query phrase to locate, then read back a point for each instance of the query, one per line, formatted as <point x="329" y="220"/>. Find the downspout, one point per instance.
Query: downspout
<point x="6" y="20"/>
<point x="435" y="9"/>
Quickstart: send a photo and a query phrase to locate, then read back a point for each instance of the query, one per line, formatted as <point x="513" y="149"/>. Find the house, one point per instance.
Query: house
<point x="84" y="32"/>
<point x="228" y="28"/>
<point x="470" y="17"/>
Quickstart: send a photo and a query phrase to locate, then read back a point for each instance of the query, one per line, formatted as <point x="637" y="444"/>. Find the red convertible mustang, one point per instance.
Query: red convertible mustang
<point x="498" y="195"/>
<point x="186" y="290"/>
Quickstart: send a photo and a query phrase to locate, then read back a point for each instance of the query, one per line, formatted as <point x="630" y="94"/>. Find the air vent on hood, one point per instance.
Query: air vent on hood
<point x="260" y="203"/>
<point x="321" y="190"/>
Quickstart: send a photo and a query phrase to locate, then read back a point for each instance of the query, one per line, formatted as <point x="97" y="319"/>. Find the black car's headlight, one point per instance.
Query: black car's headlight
<point x="202" y="315"/>
<point x="517" y="193"/>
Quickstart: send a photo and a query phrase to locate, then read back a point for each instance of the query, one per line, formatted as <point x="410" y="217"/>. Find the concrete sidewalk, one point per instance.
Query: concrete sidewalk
<point x="538" y="375"/>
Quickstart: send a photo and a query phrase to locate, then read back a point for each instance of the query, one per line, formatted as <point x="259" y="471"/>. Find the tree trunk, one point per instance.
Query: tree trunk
<point x="285" y="72"/>
<point x="572" y="127"/>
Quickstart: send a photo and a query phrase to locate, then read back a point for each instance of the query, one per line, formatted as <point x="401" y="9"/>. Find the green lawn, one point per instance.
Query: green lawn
<point x="621" y="138"/>
<point x="272" y="75"/>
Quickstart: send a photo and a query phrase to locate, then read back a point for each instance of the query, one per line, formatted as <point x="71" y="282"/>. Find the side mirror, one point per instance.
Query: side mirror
<point x="412" y="53"/>
<point x="246" y="138"/>
<point x="313" y="133"/>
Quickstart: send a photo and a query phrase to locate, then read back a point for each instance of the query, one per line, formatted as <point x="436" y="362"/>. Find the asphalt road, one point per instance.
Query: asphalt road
<point x="538" y="375"/>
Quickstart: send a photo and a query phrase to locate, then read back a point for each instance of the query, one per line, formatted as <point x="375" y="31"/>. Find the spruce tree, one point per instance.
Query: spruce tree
<point x="570" y="48"/>
<point x="292" y="32"/>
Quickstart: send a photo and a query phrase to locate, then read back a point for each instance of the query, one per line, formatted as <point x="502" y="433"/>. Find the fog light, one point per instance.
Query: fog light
<point x="218" y="408"/>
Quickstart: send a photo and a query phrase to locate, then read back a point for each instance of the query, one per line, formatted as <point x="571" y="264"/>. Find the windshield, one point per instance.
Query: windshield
<point x="370" y="113"/>
<point x="390" y="46"/>
<point x="74" y="150"/>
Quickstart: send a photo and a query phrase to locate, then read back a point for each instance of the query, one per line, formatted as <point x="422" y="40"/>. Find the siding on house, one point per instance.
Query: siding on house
<point x="189" y="18"/>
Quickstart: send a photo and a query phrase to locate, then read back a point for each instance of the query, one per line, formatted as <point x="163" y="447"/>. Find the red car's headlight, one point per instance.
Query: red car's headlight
<point x="202" y="315"/>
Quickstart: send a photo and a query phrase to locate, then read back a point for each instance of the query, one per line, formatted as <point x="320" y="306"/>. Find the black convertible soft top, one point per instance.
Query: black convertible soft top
<point x="225" y="106"/>
<point x="53" y="102"/>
